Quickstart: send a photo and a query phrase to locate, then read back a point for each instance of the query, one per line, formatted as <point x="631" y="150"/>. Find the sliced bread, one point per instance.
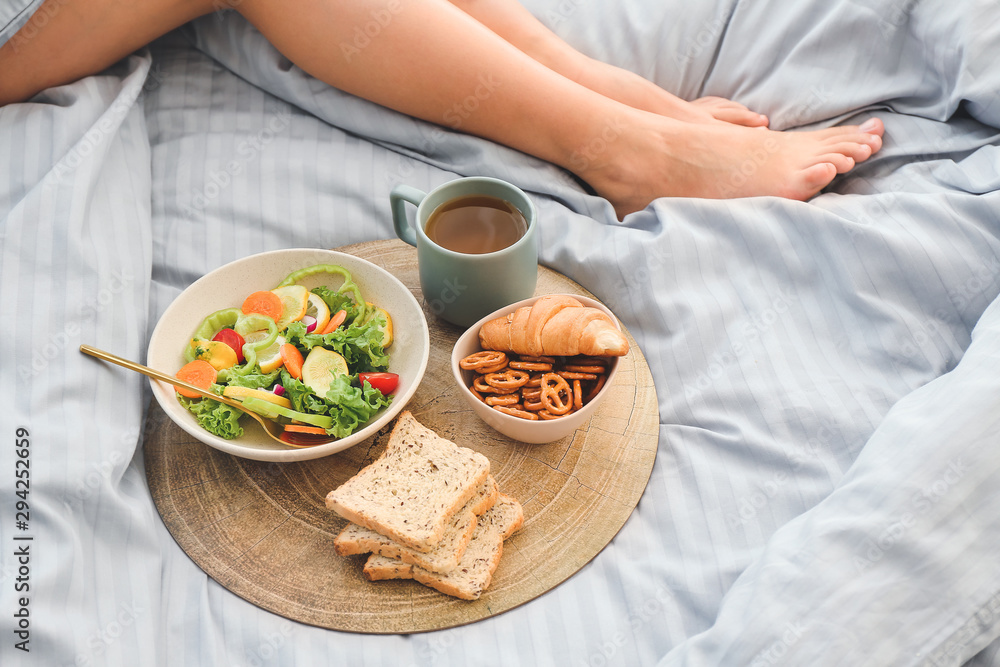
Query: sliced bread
<point x="413" y="490"/>
<point x="444" y="557"/>
<point x="475" y="570"/>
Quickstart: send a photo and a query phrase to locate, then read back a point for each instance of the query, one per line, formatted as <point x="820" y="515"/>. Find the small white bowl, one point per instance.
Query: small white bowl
<point x="229" y="285"/>
<point x="531" y="431"/>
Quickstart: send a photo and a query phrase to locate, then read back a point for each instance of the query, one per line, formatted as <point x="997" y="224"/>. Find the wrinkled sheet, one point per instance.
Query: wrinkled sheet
<point x="827" y="484"/>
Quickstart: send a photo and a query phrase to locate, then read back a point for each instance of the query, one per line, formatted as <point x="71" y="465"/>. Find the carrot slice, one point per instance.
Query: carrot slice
<point x="263" y="303"/>
<point x="302" y="428"/>
<point x="335" y="321"/>
<point x="293" y="360"/>
<point x="200" y="373"/>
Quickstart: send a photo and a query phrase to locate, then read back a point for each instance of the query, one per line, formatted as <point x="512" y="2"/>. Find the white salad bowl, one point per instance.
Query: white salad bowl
<point x="229" y="285"/>
<point x="532" y="432"/>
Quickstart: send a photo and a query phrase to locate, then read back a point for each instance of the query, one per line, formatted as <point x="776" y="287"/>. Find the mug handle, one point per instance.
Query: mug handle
<point x="400" y="195"/>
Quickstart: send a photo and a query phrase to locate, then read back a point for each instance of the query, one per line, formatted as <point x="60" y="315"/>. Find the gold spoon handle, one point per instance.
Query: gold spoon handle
<point x="296" y="440"/>
<point x="146" y="370"/>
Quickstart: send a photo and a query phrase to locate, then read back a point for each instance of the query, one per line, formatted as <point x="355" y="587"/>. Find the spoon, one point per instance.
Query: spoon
<point x="271" y="427"/>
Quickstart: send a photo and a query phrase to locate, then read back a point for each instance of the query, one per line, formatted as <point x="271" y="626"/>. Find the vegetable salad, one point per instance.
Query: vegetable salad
<point x="315" y="359"/>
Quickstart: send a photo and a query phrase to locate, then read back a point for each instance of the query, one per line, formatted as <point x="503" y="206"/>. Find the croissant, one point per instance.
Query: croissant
<point x="555" y="325"/>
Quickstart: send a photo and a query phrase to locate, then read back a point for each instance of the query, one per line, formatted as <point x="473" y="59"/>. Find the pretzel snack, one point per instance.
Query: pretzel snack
<point x="534" y="387"/>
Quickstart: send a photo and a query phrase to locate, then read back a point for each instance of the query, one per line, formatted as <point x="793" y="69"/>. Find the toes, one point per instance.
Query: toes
<point x="841" y="162"/>
<point x="815" y="178"/>
<point x="873" y="126"/>
<point x="856" y="151"/>
<point x="874" y="141"/>
<point x="869" y="132"/>
<point x="729" y="111"/>
<point x="743" y="117"/>
<point x="716" y="101"/>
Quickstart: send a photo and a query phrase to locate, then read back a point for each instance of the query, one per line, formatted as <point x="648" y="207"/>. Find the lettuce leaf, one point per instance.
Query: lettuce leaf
<point x="355" y="406"/>
<point x="215" y="417"/>
<point x="302" y="398"/>
<point x="254" y="380"/>
<point x="360" y="344"/>
<point x="348" y="405"/>
<point x="337" y="301"/>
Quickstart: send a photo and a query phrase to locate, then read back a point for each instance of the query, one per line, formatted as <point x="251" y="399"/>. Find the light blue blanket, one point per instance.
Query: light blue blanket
<point x="827" y="485"/>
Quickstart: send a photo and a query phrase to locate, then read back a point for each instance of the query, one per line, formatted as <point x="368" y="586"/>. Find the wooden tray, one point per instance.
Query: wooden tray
<point x="262" y="530"/>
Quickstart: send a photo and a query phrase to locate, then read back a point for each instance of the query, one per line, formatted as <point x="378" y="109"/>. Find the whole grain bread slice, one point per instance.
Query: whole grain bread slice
<point x="475" y="570"/>
<point x="413" y="490"/>
<point x="445" y="556"/>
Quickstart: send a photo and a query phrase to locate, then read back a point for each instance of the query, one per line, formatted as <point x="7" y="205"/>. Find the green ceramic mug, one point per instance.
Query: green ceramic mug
<point x="459" y="287"/>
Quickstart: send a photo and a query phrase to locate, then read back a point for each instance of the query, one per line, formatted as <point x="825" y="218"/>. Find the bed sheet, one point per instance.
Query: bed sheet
<point x="826" y="485"/>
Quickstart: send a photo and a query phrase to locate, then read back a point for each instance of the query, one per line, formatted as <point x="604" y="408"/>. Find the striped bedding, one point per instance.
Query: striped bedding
<point x="828" y="373"/>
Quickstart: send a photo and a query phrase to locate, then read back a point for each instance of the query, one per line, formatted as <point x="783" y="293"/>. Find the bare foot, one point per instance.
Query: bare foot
<point x="663" y="158"/>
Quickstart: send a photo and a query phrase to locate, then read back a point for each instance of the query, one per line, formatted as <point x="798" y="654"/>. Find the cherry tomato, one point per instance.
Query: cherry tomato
<point x="384" y="382"/>
<point x="233" y="340"/>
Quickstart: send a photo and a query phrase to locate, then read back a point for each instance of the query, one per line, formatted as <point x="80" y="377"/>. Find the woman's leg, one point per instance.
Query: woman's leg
<point x="67" y="40"/>
<point x="512" y="21"/>
<point x="433" y="61"/>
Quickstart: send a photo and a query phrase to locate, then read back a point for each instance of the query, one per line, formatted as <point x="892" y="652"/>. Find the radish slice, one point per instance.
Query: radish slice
<point x="278" y="390"/>
<point x="310" y="323"/>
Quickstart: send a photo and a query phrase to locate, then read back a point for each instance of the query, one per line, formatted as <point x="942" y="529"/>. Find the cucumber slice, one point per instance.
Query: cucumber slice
<point x="272" y="411"/>
<point x="319" y="368"/>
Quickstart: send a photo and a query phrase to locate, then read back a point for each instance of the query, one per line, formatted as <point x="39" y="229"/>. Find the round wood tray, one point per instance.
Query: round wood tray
<point x="262" y="530"/>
